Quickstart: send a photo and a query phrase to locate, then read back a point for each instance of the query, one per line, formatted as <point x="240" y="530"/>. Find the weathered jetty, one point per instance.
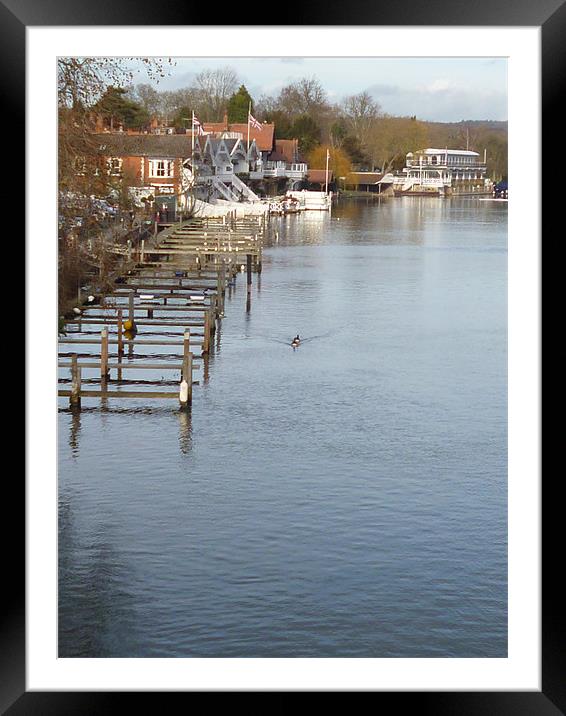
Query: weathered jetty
<point x="168" y="298"/>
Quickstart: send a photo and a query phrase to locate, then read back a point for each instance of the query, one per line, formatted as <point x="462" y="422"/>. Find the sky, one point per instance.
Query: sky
<point x="442" y="89"/>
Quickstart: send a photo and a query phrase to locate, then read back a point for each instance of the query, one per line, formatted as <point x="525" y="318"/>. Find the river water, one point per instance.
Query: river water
<point x="348" y="498"/>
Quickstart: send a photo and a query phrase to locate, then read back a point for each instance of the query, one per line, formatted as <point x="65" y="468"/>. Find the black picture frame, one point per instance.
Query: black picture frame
<point x="550" y="16"/>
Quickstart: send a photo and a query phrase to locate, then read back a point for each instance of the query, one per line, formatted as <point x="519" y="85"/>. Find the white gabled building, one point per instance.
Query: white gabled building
<point x="218" y="161"/>
<point x="442" y="172"/>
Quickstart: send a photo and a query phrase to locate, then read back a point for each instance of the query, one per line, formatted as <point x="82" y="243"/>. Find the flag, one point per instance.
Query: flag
<point x="254" y="123"/>
<point x="197" y="125"/>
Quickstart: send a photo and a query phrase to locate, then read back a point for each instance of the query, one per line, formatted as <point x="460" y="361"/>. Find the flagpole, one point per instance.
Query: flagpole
<point x="249" y="113"/>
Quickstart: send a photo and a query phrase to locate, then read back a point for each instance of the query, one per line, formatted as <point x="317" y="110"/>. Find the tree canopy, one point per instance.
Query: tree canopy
<point x="338" y="161"/>
<point x="238" y="105"/>
<point x="117" y="107"/>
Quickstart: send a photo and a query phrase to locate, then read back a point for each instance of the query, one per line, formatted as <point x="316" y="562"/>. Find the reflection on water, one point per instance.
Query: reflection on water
<point x="347" y="498"/>
<point x="74" y="430"/>
<point x="185" y="431"/>
<point x="90" y="590"/>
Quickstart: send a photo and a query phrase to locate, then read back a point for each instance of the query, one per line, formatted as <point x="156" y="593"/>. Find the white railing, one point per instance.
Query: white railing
<point x="295" y="173"/>
<point x="466" y="166"/>
<point x="276" y="172"/>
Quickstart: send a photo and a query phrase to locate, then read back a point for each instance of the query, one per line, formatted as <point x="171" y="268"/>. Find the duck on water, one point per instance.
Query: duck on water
<point x="296" y="341"/>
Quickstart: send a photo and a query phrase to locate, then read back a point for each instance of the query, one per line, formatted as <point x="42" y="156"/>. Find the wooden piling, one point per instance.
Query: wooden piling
<point x="120" y="333"/>
<point x="75" y="397"/>
<point x="222" y="286"/>
<point x="186" y="350"/>
<point x="104" y="354"/>
<point x="206" y="338"/>
<point x="210" y="249"/>
<point x="219" y="286"/>
<point x="131" y="306"/>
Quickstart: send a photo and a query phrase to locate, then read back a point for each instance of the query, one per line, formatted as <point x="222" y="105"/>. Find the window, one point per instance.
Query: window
<point x="160" y="168"/>
<point x="114" y="166"/>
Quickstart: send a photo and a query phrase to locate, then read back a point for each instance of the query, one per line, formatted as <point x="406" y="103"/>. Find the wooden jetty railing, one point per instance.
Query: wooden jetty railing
<point x="181" y="275"/>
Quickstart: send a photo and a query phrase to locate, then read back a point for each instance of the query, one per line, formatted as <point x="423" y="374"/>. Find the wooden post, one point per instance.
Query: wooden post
<point x="104" y="354"/>
<point x="185" y="389"/>
<point x="120" y="336"/>
<point x="249" y="282"/>
<point x="249" y="271"/>
<point x="223" y="282"/>
<point x="142" y="251"/>
<point x="186" y="351"/>
<point x="131" y="306"/>
<point x="189" y="378"/>
<point x="219" y="292"/>
<point x="206" y="338"/>
<point x="75" y="398"/>
<point x="209" y="326"/>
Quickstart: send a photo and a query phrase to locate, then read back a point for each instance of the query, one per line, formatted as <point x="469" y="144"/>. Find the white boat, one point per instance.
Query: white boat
<point x="312" y="200"/>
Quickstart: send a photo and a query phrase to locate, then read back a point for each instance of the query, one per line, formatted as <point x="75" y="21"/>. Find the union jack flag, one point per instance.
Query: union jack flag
<point x="197" y="125"/>
<point x="254" y="123"/>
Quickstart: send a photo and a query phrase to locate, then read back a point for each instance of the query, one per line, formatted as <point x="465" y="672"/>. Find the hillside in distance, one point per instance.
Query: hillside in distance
<point x="472" y="133"/>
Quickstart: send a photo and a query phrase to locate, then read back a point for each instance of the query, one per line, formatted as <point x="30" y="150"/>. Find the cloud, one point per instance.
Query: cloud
<point x="441" y="101"/>
<point x="439" y="85"/>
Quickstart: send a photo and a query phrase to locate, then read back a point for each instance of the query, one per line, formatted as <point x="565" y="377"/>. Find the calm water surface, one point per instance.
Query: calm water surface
<point x="348" y="498"/>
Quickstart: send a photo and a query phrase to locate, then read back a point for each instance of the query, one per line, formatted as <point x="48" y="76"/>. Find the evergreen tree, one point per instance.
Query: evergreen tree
<point x="116" y="106"/>
<point x="307" y="131"/>
<point x="238" y="106"/>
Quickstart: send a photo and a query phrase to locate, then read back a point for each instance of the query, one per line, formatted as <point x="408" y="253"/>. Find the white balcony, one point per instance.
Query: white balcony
<point x="275" y="169"/>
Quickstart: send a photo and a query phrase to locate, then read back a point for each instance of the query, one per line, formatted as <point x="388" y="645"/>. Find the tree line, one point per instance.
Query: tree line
<point x="356" y="130"/>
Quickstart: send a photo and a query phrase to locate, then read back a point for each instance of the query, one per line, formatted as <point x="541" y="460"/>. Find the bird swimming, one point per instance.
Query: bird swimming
<point x="296" y="341"/>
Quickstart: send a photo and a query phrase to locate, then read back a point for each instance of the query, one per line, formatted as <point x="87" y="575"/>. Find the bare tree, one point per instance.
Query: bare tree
<point x="82" y="81"/>
<point x="149" y="98"/>
<point x="215" y="87"/>
<point x="392" y="137"/>
<point x="303" y="97"/>
<point x="361" y="113"/>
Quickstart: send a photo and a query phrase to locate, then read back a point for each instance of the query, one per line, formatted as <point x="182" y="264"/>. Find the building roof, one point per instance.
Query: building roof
<point x="319" y="175"/>
<point x="363" y="177"/>
<point x="287" y="150"/>
<point x="263" y="137"/>
<point x="167" y="146"/>
<point x="460" y="152"/>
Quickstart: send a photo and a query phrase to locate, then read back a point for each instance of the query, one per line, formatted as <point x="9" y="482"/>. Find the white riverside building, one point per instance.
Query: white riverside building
<point x="441" y="172"/>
